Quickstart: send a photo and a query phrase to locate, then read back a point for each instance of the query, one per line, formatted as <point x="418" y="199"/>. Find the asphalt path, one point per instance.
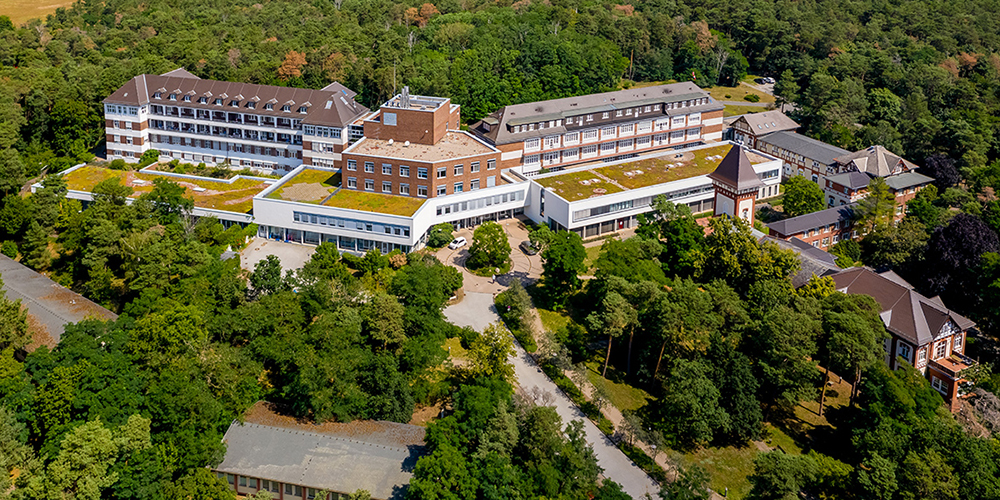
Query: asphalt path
<point x="476" y="310"/>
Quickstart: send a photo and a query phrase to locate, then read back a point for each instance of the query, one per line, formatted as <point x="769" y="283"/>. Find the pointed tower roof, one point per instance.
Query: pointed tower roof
<point x="736" y="172"/>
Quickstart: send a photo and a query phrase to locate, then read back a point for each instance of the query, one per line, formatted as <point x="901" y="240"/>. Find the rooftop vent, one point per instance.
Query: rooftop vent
<point x="404" y="97"/>
<point x="406" y="144"/>
<point x="390" y="142"/>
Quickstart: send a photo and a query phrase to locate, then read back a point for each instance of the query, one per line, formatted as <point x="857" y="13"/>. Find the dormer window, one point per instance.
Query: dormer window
<point x="173" y="97"/>
<point x="218" y="101"/>
<point x="286" y="108"/>
<point x="234" y="103"/>
<point x="302" y="109"/>
<point x="187" y="98"/>
<point x="269" y="107"/>
<point x="202" y="100"/>
<point x="157" y="95"/>
<point x="251" y="105"/>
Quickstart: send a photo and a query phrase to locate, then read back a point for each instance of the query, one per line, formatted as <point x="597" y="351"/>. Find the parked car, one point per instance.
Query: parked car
<point x="528" y="248"/>
<point x="768" y="80"/>
<point x="457" y="243"/>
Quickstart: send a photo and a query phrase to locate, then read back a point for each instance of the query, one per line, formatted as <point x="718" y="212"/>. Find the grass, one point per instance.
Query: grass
<point x="727" y="467"/>
<point x="592" y="254"/>
<point x="737" y="93"/>
<point x="571" y="188"/>
<point x="553" y="321"/>
<point x="732" y="110"/>
<point x="374" y="202"/>
<point x="622" y="396"/>
<point x="219" y="195"/>
<point x="455" y="349"/>
<point x="489" y="272"/>
<point x="20" y="11"/>
<point x="657" y="170"/>
<point x="309" y="186"/>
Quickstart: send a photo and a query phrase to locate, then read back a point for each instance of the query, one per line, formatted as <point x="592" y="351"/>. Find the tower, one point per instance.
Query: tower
<point x="736" y="186"/>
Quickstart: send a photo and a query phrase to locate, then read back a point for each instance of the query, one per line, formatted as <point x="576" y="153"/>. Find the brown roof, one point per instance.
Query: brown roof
<point x="768" y="122"/>
<point x="905" y="312"/>
<point x="453" y="145"/>
<point x="332" y="106"/>
<point x="876" y="161"/>
<point x="735" y="170"/>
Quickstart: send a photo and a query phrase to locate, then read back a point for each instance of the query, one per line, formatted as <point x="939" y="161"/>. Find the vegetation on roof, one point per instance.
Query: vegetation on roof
<point x="308" y="186"/>
<point x="217" y="195"/>
<point x="666" y="168"/>
<point x="375" y="202"/>
<point x="579" y="185"/>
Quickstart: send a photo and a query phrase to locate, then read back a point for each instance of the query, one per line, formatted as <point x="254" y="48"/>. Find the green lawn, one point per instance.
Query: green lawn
<point x="309" y="186"/>
<point x="20" y="11"/>
<point x="552" y="321"/>
<point x="374" y="202"/>
<point x="741" y="110"/>
<point x="738" y="93"/>
<point x="578" y="185"/>
<point x="592" y="254"/>
<point x="623" y="396"/>
<point x="728" y="468"/>
<point x="666" y="168"/>
<point x="455" y="349"/>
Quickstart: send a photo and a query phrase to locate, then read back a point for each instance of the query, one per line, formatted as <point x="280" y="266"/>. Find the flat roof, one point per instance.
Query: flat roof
<point x="377" y="456"/>
<point x="50" y="305"/>
<point x="308" y="186"/>
<point x="660" y="168"/>
<point x="374" y="202"/>
<point x="454" y="144"/>
<point x="217" y="194"/>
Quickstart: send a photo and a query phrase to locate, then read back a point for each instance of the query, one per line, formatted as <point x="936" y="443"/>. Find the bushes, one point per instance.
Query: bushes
<point x="9" y="248"/>
<point x="751" y="98"/>
<point x="514" y="307"/>
<point x="644" y="461"/>
<point x="440" y="235"/>
<point x="576" y="395"/>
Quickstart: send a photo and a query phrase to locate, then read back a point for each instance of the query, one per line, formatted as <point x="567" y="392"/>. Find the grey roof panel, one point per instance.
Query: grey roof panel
<point x="802" y="223"/>
<point x="51" y="305"/>
<point x="735" y="170"/>
<point x="380" y="461"/>
<point x="907" y="180"/>
<point x="805" y="146"/>
<point x="853" y="179"/>
<point x="876" y="161"/>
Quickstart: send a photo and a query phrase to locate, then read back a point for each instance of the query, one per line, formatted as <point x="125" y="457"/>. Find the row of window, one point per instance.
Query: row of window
<point x="230" y="132"/>
<point x="117" y="124"/>
<point x="350" y="224"/>
<point x="404" y="170"/>
<point x="477" y="203"/>
<point x="612" y="208"/>
<point x="611" y="147"/>
<point x="619" y="113"/>
<point x="611" y="132"/>
<point x="331" y="132"/>
<point x="224" y="146"/>
<point x="404" y="188"/>
<point x="234" y="103"/>
<point x="227" y="116"/>
<point x="274" y="487"/>
<point x="121" y="110"/>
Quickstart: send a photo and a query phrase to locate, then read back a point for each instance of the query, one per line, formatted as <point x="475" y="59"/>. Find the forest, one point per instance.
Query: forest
<point x="711" y="326"/>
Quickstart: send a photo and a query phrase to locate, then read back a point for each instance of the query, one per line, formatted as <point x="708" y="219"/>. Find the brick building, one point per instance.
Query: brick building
<point x="412" y="147"/>
<point x="263" y="127"/>
<point x="821" y="229"/>
<point x="923" y="332"/>
<point x="559" y="133"/>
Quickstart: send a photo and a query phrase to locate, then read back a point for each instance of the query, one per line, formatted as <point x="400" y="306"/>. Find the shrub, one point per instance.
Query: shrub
<point x="440" y="235"/>
<point x="752" y="98"/>
<point x="9" y="248"/>
<point x="118" y="164"/>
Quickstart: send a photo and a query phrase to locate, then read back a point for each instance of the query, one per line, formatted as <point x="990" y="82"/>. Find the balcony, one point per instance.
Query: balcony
<point x="953" y="365"/>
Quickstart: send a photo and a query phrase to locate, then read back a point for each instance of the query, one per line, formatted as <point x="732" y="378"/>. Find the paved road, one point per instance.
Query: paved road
<point x="476" y="310"/>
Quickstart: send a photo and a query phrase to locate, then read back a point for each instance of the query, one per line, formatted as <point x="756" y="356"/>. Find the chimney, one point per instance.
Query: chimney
<point x="404" y="97"/>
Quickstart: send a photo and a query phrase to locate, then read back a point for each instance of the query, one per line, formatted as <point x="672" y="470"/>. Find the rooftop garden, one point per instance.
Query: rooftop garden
<point x="308" y="186"/>
<point x="236" y="196"/>
<point x="374" y="202"/>
<point x="672" y="166"/>
<point x="578" y="185"/>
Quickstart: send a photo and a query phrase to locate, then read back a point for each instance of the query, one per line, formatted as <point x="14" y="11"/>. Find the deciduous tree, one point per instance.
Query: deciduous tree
<point x="802" y="196"/>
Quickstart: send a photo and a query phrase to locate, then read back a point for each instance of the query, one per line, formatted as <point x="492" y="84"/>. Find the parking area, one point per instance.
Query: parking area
<point x="292" y="256"/>
<point x="526" y="268"/>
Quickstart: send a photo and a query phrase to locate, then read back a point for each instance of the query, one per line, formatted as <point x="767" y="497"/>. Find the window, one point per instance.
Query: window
<point x="128" y="125"/>
<point x="234" y="103"/>
<point x="458" y="187"/>
<point x="590" y="118"/>
<point x="386" y="169"/>
<point x="352" y="182"/>
<point x="218" y="101"/>
<point x="422" y="191"/>
<point x="369" y="167"/>
<point x="532" y="143"/>
<point x="421" y="172"/>
<point x="474" y="167"/>
<point x="386" y="187"/>
<point x="252" y="482"/>
<point x="173" y="97"/>
<point x="459" y="170"/>
<point x="904" y="351"/>
<point x="128" y="140"/>
<point x="302" y="109"/>
<point x="404" y="171"/>
<point x="203" y="100"/>
<point x="269" y="107"/>
<point x="157" y="95"/>
<point x="442" y="190"/>
<point x="958" y="343"/>
<point x="369" y="184"/>
<point x="243" y="481"/>
<point x="442" y="172"/>
<point x="251" y="105"/>
<point x="286" y="108"/>
<point x="922" y="355"/>
<point x="474" y="184"/>
<point x="116" y="138"/>
<point x="230" y="478"/>
<point x="605" y="115"/>
<point x="491" y="164"/>
<point x="288" y="489"/>
<point x="618" y="113"/>
<point x="352" y="165"/>
<point x="404" y="189"/>
<point x="116" y="125"/>
<point x="939" y="385"/>
<point x="941" y="349"/>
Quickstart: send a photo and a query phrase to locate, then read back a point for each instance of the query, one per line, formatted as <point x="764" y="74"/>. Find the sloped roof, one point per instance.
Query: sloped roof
<point x="805" y="146"/>
<point x="795" y="225"/>
<point x="852" y="179"/>
<point x="376" y="456"/>
<point x="876" y="161"/>
<point x="735" y="170"/>
<point x="905" y="312"/>
<point x="814" y="261"/>
<point x="907" y="180"/>
<point x="50" y="305"/>
<point x="555" y="109"/>
<point x="333" y="106"/>
<point x="769" y="122"/>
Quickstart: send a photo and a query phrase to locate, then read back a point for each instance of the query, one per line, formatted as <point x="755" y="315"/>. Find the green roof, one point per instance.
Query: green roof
<point x="374" y="202"/>
<point x="215" y="194"/>
<point x="308" y="186"/>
